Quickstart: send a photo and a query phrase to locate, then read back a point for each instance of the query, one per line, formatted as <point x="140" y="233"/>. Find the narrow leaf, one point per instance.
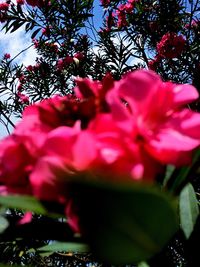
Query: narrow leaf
<point x="189" y="209"/>
<point x="3" y="224"/>
<point x="143" y="264"/>
<point x="179" y="176"/>
<point x="65" y="246"/>
<point x="28" y="203"/>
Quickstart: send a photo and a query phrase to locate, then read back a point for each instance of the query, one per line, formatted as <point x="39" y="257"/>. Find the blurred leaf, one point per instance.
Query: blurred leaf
<point x="64" y="246"/>
<point x="125" y="223"/>
<point x="35" y="33"/>
<point x="179" y="176"/>
<point x="3" y="224"/>
<point x="189" y="209"/>
<point x="169" y="171"/>
<point x="143" y="264"/>
<point x="28" y="203"/>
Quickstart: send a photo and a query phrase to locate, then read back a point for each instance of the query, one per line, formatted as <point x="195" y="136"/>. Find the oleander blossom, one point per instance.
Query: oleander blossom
<point x="155" y="116"/>
<point x="126" y="130"/>
<point x="171" y="45"/>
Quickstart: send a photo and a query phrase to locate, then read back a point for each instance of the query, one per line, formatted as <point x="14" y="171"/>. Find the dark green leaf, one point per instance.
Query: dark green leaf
<point x="179" y="176"/>
<point x="16" y="26"/>
<point x="169" y="171"/>
<point x="125" y="223"/>
<point x="35" y="33"/>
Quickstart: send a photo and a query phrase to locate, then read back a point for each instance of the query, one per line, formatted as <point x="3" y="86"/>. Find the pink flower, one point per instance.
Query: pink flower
<point x="32" y="3"/>
<point x="95" y="91"/>
<point x="121" y="131"/>
<point x="41" y="118"/>
<point x="30" y="68"/>
<point x="15" y="165"/>
<point x="35" y="42"/>
<point x="3" y="17"/>
<point x="79" y="56"/>
<point x="171" y="45"/>
<point x="67" y="152"/>
<point x="35" y="3"/>
<point x="4" y="6"/>
<point x="118" y="158"/>
<point x="6" y="56"/>
<point x="153" y="64"/>
<point x="72" y="217"/>
<point x="38" y="120"/>
<point x="105" y="3"/>
<point x="27" y="218"/>
<point x="22" y="97"/>
<point x="63" y="63"/>
<point x="46" y="31"/>
<point x="20" y="2"/>
<point x="121" y="17"/>
<point x="19" y="87"/>
<point x="154" y="116"/>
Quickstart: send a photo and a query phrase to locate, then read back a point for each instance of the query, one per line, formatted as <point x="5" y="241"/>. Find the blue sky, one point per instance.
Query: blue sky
<point x="15" y="42"/>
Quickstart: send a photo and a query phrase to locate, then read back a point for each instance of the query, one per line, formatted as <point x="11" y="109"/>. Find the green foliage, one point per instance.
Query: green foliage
<point x="3" y="224"/>
<point x="27" y="203"/>
<point x="189" y="209"/>
<point x="64" y="246"/>
<point x="131" y="221"/>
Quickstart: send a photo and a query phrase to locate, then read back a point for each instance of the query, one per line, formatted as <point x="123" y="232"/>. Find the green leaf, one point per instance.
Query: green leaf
<point x="64" y="246"/>
<point x="169" y="170"/>
<point x="35" y="33"/>
<point x="24" y="202"/>
<point x="179" y="176"/>
<point x="189" y="209"/>
<point x="125" y="223"/>
<point x="143" y="264"/>
<point x="3" y="224"/>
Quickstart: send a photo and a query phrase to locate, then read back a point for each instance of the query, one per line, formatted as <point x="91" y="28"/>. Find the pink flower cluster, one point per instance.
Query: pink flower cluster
<point x="36" y="3"/>
<point x="126" y="130"/>
<point x="105" y="3"/>
<point x="6" y="56"/>
<point x="62" y="63"/>
<point x="119" y="17"/>
<point x="4" y="6"/>
<point x="171" y="45"/>
<point x="122" y="12"/>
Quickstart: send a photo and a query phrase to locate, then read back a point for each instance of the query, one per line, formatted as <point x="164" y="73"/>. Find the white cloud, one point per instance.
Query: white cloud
<point x="14" y="43"/>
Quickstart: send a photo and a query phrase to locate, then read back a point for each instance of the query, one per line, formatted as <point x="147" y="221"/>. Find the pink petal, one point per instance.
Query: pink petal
<point x="84" y="151"/>
<point x="184" y="94"/>
<point x="60" y="141"/>
<point x="120" y="113"/>
<point x="86" y="88"/>
<point x="138" y="89"/>
<point x="27" y="218"/>
<point x="72" y="217"/>
<point x="48" y="178"/>
<point x="172" y="147"/>
<point x="187" y="122"/>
